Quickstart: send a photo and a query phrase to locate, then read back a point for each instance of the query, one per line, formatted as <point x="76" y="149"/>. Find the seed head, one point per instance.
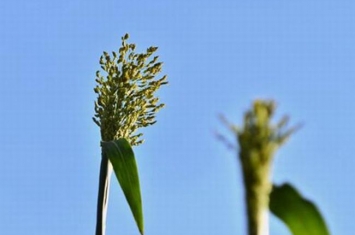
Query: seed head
<point x="126" y="92"/>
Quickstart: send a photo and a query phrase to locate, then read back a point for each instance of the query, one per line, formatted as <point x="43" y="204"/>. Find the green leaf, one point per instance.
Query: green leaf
<point x="121" y="156"/>
<point x="300" y="215"/>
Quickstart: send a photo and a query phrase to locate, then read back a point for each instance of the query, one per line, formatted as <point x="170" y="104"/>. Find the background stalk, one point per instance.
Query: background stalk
<point x="102" y="199"/>
<point x="258" y="140"/>
<point x="257" y="191"/>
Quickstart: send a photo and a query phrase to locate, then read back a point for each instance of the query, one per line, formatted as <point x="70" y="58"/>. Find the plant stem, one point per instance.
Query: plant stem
<point x="257" y="190"/>
<point x="102" y="200"/>
<point x="258" y="140"/>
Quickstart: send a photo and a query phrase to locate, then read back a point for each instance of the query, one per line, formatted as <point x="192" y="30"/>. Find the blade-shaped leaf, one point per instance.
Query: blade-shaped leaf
<point x="121" y="156"/>
<point x="300" y="215"/>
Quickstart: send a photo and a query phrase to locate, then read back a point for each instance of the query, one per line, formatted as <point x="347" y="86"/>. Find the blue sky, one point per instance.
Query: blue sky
<point x="219" y="56"/>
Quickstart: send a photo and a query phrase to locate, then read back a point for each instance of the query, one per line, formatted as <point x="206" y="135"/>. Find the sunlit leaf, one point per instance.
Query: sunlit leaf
<point x="121" y="156"/>
<point x="300" y="215"/>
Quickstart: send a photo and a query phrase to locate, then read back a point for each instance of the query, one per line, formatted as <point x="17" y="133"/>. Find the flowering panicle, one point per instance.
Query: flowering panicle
<point x="126" y="95"/>
<point x="258" y="134"/>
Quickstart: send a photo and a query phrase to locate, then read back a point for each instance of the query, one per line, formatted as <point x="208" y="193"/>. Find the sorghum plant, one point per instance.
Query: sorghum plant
<point x="258" y="139"/>
<point x="126" y="102"/>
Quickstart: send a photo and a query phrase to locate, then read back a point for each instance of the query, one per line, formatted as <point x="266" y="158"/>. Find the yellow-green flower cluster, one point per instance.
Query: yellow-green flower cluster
<point x="258" y="135"/>
<point x="126" y="95"/>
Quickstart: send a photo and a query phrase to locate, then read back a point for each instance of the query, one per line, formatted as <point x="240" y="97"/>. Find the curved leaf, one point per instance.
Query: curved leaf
<point x="300" y="215"/>
<point x="121" y="156"/>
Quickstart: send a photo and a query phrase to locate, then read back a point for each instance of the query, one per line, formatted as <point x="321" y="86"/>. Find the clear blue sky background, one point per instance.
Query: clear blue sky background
<point x="219" y="56"/>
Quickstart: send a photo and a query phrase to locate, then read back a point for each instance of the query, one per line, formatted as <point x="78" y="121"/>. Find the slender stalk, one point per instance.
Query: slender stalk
<point x="258" y="140"/>
<point x="257" y="191"/>
<point x="102" y="200"/>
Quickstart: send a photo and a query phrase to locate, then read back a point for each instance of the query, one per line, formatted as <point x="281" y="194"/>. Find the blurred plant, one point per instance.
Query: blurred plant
<point x="258" y="140"/>
<point x="126" y="102"/>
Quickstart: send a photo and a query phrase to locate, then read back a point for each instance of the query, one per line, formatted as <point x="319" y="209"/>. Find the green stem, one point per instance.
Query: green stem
<point x="257" y="190"/>
<point x="102" y="200"/>
<point x="257" y="212"/>
<point x="258" y="140"/>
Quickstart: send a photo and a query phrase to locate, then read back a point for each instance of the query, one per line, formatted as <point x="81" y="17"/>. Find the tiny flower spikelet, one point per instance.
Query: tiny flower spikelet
<point x="126" y="94"/>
